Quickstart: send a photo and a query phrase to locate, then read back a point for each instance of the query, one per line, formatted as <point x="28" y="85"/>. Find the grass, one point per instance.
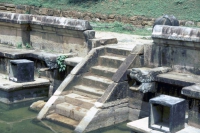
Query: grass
<point x="182" y="9"/>
<point x="121" y="28"/>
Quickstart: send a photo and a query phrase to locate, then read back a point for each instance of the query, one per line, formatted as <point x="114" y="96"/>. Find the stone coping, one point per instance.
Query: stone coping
<point x="177" y="33"/>
<point x="7" y="85"/>
<point x="60" y="22"/>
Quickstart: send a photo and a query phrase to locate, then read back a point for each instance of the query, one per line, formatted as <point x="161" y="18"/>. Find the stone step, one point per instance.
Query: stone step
<point x="79" y="100"/>
<point x="118" y="51"/>
<point x="71" y="111"/>
<point x="88" y="91"/>
<point x="96" y="81"/>
<point x="107" y="72"/>
<point x="62" y="119"/>
<point x="111" y="60"/>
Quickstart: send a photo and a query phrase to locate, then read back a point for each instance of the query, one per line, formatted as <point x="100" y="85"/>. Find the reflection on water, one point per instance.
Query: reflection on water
<point x="18" y="118"/>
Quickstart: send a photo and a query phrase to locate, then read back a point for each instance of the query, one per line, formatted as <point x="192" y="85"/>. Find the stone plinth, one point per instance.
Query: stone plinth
<point x="21" y="70"/>
<point x="12" y="92"/>
<point x="167" y="113"/>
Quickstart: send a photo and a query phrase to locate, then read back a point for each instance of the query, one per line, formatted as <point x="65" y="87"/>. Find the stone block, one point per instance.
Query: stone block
<point x="9" y="5"/>
<point x="146" y="75"/>
<point x="135" y="103"/>
<point x="21" y="70"/>
<point x="194" y="118"/>
<point x="191" y="91"/>
<point x="43" y="11"/>
<point x="135" y="114"/>
<point x="167" y="113"/>
<point x="3" y="8"/>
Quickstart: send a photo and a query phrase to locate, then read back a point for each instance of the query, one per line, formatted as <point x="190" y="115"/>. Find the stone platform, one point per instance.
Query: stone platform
<point x="12" y="92"/>
<point x="141" y="126"/>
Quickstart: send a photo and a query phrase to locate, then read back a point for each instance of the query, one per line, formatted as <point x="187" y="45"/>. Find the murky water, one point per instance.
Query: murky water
<point x="18" y="118"/>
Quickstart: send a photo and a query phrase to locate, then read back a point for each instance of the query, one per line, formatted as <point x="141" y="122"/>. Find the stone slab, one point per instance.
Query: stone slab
<point x="141" y="126"/>
<point x="175" y="78"/>
<point x="192" y="91"/>
<point x="73" y="61"/>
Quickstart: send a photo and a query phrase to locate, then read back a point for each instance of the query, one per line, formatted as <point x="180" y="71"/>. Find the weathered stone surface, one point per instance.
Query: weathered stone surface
<point x="191" y="91"/>
<point x="147" y="87"/>
<point x="145" y="75"/>
<point x="194" y="118"/>
<point x="90" y="59"/>
<point x="166" y="20"/>
<point x="189" y="23"/>
<point x="135" y="114"/>
<point x="176" y="33"/>
<point x="121" y="74"/>
<point x="114" y="92"/>
<point x="89" y="34"/>
<point x="37" y="106"/>
<point x="97" y="42"/>
<point x="139" y="104"/>
<point x="180" y="79"/>
<point x="167" y="113"/>
<point x="46" y="20"/>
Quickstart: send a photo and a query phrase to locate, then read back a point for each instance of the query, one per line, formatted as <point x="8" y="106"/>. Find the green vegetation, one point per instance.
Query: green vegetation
<point x="19" y="45"/>
<point x="121" y="28"/>
<point x="28" y="46"/>
<point x="182" y="9"/>
<point x="60" y="62"/>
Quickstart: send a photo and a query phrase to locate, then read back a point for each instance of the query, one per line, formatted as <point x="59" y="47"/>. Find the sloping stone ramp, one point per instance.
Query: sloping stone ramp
<point x="84" y="86"/>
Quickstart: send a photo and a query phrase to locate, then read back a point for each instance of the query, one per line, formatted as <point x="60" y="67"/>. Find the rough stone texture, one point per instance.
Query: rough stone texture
<point x="115" y="91"/>
<point x="97" y="42"/>
<point x="135" y="114"/>
<point x="194" y="113"/>
<point x="166" y="20"/>
<point x="121" y="74"/>
<point x="55" y="34"/>
<point x="147" y="87"/>
<point x="191" y="91"/>
<point x="146" y="75"/>
<point x="12" y="92"/>
<point x="176" y="78"/>
<point x="66" y="23"/>
<point x="89" y="60"/>
<point x="109" y="116"/>
<point x="167" y="113"/>
<point x="176" y="33"/>
<point x="12" y="34"/>
<point x="37" y="106"/>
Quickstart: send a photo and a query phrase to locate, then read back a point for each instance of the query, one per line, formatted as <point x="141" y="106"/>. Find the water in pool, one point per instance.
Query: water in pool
<point x="18" y="118"/>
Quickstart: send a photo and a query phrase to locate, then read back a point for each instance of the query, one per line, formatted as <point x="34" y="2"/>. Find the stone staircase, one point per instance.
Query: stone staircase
<point x="89" y="88"/>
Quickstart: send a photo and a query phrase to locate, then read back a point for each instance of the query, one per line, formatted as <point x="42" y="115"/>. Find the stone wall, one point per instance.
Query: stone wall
<point x="55" y="34"/>
<point x="134" y="20"/>
<point x="176" y="47"/>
